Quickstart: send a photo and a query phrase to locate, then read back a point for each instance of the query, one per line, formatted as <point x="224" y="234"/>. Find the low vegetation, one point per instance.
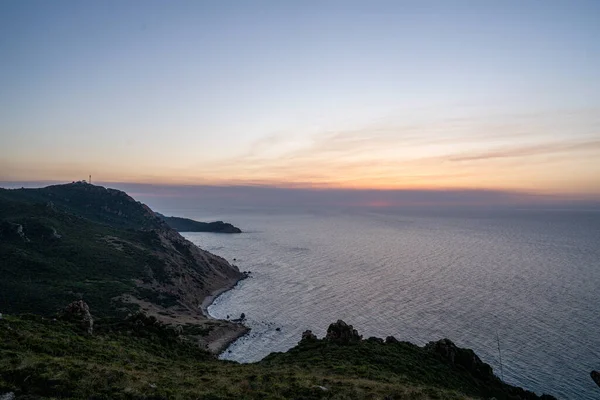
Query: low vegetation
<point x="139" y="358"/>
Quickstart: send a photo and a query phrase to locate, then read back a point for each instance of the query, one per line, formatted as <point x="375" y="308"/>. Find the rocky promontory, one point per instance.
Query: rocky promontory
<point x="189" y="225"/>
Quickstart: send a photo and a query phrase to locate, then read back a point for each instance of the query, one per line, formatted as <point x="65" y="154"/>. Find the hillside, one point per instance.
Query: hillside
<point x="142" y="359"/>
<point x="80" y="241"/>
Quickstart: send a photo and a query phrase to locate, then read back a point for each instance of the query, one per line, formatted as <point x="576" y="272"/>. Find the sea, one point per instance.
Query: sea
<point x="520" y="287"/>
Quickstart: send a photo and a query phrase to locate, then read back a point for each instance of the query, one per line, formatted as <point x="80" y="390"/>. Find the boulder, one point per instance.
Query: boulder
<point x="465" y="358"/>
<point x="340" y="332"/>
<point x="596" y="377"/>
<point x="391" y="339"/>
<point x="374" y="339"/>
<point x="308" y="335"/>
<point x="79" y="311"/>
<point x="55" y="234"/>
<point x="21" y="233"/>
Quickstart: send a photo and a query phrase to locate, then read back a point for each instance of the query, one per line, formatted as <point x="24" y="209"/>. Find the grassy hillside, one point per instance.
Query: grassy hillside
<point x="141" y="359"/>
<point x="94" y="203"/>
<point x="61" y="257"/>
<point x="80" y="241"/>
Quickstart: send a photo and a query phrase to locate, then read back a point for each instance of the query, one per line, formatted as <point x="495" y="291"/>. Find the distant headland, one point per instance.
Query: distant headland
<point x="189" y="225"/>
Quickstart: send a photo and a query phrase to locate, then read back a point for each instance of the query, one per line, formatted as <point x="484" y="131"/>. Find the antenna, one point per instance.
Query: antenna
<point x="90" y="181"/>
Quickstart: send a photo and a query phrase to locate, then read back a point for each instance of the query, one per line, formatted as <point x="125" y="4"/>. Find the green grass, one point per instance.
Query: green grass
<point x="45" y="274"/>
<point x="141" y="359"/>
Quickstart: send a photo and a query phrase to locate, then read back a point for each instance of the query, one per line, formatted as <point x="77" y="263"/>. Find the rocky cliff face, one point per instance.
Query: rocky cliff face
<point x="188" y="272"/>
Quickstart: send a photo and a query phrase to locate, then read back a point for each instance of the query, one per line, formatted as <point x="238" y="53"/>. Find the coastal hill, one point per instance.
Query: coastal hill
<point x="189" y="225"/>
<point x="80" y="241"/>
<point x="138" y="288"/>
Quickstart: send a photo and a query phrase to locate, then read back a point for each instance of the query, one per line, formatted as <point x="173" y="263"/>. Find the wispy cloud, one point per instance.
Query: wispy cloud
<point x="535" y="152"/>
<point x="448" y="153"/>
<point x="527" y="151"/>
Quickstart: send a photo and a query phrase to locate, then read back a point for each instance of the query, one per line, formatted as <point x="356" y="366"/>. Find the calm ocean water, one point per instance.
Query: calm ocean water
<point x="530" y="277"/>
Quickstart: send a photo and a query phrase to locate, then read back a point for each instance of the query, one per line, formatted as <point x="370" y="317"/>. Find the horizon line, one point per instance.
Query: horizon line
<point x="529" y="194"/>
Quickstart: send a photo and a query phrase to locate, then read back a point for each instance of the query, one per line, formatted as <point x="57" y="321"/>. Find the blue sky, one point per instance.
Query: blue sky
<point x="399" y="94"/>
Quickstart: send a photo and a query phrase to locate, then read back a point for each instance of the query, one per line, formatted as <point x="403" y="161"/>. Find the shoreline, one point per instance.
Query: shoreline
<point x="232" y="330"/>
<point x="210" y="298"/>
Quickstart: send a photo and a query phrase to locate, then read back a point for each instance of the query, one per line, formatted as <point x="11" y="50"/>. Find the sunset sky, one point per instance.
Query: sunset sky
<point x="501" y="95"/>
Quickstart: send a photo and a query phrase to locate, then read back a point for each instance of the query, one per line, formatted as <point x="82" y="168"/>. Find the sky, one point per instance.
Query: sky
<point x="321" y="95"/>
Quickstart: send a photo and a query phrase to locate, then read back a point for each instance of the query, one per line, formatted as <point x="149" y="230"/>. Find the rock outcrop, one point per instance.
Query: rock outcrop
<point x="10" y="230"/>
<point x="465" y="358"/>
<point x="596" y="377"/>
<point x="391" y="339"/>
<point x="78" y="311"/>
<point x="308" y="335"/>
<point x="340" y="332"/>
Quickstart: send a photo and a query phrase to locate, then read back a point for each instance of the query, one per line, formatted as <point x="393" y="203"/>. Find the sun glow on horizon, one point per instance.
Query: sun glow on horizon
<point x="304" y="96"/>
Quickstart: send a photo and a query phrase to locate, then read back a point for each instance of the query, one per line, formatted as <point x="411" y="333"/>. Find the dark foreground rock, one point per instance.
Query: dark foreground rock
<point x="79" y="312"/>
<point x="596" y="377"/>
<point x="391" y="339"/>
<point x="466" y="358"/>
<point x="341" y="332"/>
